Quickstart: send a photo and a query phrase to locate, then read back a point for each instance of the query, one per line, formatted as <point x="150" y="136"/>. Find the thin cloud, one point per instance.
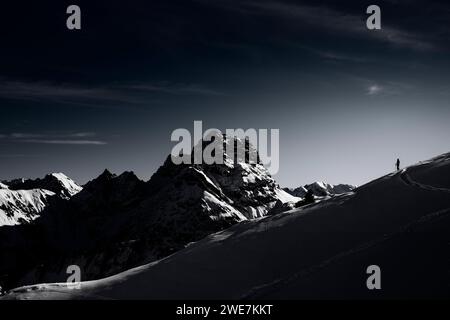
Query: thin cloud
<point x="26" y="135"/>
<point x="22" y="135"/>
<point x="44" y="90"/>
<point x="386" y="88"/>
<point x="175" y="89"/>
<point x="330" y="19"/>
<point x="56" y="138"/>
<point x="83" y="134"/>
<point x="335" y="56"/>
<point x="66" y="142"/>
<point x="97" y="96"/>
<point x="374" y="90"/>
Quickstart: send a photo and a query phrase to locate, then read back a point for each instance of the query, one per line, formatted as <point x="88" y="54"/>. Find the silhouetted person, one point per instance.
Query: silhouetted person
<point x="397" y="164"/>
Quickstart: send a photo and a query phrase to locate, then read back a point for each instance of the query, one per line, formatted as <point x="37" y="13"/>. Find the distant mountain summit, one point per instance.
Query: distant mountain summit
<point x="320" y="189"/>
<point x="22" y="201"/>
<point x="58" y="183"/>
<point x="22" y="206"/>
<point x="235" y="190"/>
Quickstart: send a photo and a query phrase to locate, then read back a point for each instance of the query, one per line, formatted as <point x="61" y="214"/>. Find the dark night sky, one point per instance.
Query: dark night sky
<point x="348" y="101"/>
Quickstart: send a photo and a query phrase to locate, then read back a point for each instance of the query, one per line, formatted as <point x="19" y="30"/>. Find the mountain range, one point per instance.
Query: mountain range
<point x="399" y="222"/>
<point x="320" y="189"/>
<point x="116" y="222"/>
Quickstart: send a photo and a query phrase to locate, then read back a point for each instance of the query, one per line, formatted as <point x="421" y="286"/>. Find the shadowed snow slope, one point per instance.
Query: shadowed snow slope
<point x="400" y="222"/>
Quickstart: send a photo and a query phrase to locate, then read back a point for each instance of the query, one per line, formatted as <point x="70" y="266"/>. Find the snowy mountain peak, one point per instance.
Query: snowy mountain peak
<point x="58" y="183"/>
<point x="320" y="189"/>
<point x="68" y="187"/>
<point x="241" y="181"/>
<point x="23" y="200"/>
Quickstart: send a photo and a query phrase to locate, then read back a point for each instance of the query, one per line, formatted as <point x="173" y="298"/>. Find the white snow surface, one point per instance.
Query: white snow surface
<point x="286" y="197"/>
<point x="212" y="204"/>
<point x="243" y="181"/>
<point x="68" y="184"/>
<point x="256" y="254"/>
<point x="17" y="206"/>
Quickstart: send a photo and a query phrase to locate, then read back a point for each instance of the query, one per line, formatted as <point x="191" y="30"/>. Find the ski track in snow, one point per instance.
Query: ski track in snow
<point x="264" y="289"/>
<point x="260" y="291"/>
<point x="406" y="178"/>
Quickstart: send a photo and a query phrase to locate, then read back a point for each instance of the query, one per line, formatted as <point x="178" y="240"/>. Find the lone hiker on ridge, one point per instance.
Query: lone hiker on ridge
<point x="398" y="164"/>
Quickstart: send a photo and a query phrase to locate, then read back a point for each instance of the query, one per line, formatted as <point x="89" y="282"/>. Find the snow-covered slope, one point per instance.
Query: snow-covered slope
<point x="402" y="217"/>
<point x="67" y="186"/>
<point x="22" y="201"/>
<point x="21" y="206"/>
